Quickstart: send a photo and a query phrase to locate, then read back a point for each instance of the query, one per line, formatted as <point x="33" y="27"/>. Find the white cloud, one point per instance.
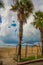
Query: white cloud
<point x="7" y="16"/>
<point x="38" y="4"/>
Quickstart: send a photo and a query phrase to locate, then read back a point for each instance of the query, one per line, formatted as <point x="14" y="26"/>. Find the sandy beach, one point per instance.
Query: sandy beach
<point x="7" y="55"/>
<point x="11" y="52"/>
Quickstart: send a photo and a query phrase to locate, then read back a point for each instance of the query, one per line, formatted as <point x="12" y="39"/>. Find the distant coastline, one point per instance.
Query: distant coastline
<point x="14" y="45"/>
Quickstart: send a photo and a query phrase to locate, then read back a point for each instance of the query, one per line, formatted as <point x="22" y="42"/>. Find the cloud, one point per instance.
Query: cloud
<point x="10" y="34"/>
<point x="38" y="4"/>
<point x="10" y="38"/>
<point x="31" y="34"/>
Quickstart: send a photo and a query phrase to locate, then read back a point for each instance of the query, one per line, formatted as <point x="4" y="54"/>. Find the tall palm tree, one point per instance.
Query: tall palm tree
<point x="39" y="24"/>
<point x="23" y="8"/>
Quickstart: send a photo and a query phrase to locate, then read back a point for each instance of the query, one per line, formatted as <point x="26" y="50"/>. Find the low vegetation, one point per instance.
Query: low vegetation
<point x="29" y="58"/>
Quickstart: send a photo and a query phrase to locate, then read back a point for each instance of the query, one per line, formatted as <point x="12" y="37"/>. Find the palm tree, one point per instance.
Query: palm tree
<point x="23" y="8"/>
<point x="39" y="24"/>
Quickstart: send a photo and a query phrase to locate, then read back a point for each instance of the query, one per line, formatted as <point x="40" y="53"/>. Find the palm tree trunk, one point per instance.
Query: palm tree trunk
<point x="20" y="39"/>
<point x="26" y="50"/>
<point x="41" y="30"/>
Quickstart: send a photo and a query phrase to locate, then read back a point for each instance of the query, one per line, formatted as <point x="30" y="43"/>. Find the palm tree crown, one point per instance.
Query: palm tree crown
<point x="25" y="6"/>
<point x="38" y="19"/>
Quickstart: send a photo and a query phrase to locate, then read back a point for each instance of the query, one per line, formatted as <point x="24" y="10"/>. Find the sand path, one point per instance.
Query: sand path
<point x="8" y="61"/>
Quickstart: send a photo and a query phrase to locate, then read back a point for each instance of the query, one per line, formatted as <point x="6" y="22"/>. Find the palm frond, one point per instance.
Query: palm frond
<point x="1" y="5"/>
<point x="13" y="8"/>
<point x="34" y="24"/>
<point x="38" y="22"/>
<point x="28" y="8"/>
<point x="39" y="15"/>
<point x="26" y="5"/>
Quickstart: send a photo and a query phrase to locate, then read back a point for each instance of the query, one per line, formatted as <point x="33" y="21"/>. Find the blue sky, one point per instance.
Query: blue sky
<point x="9" y="28"/>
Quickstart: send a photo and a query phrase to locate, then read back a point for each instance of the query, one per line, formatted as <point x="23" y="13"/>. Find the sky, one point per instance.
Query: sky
<point x="9" y="25"/>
